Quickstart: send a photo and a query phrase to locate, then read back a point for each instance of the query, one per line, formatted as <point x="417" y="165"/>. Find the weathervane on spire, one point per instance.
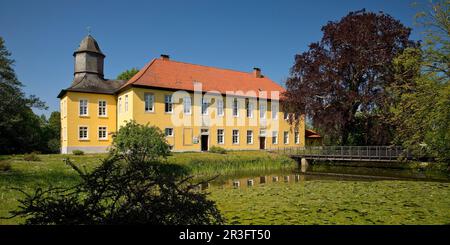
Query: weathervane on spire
<point x="88" y="30"/>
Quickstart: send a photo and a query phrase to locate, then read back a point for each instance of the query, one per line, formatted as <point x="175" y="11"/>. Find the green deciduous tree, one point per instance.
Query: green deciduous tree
<point x="138" y="143"/>
<point x="421" y="109"/>
<point x="18" y="124"/>
<point x="126" y="75"/>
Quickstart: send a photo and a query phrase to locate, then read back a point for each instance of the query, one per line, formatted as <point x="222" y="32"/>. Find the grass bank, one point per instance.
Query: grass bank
<point x="208" y="164"/>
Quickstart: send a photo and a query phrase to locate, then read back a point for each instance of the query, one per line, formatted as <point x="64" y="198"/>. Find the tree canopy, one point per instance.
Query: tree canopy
<point x="340" y="81"/>
<point x="421" y="108"/>
<point x="126" y="75"/>
<point x="20" y="128"/>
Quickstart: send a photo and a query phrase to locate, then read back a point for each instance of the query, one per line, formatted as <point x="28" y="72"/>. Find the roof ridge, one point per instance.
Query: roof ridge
<point x="214" y="67"/>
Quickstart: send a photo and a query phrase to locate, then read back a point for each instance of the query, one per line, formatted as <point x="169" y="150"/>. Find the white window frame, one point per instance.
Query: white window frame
<point x="286" y="139"/>
<point x="126" y="103"/>
<point x="275" y="136"/>
<point x="87" y="132"/>
<point x="147" y="103"/>
<point x="187" y="105"/>
<point x="233" y="135"/>
<point x="106" y="132"/>
<point x="262" y="110"/>
<point x="235" y="107"/>
<point x="168" y="135"/>
<point x="105" y="107"/>
<point x="119" y="107"/>
<point x="297" y="137"/>
<point x="223" y="136"/>
<point x="168" y="103"/>
<point x="251" y="137"/>
<point x="274" y="110"/>
<point x="87" y="108"/>
<point x="249" y="109"/>
<point x="220" y="111"/>
<point x="65" y="133"/>
<point x="204" y="109"/>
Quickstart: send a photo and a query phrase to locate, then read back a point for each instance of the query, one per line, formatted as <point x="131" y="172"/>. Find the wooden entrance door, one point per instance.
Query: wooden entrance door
<point x="262" y="143"/>
<point x="204" y="142"/>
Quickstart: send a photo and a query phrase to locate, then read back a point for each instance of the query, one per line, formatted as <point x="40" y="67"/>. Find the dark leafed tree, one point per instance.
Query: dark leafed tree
<point x="19" y="126"/>
<point x="340" y="81"/>
<point x="126" y="75"/>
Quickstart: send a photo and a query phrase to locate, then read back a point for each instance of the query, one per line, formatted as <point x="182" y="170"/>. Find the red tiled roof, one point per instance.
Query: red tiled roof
<point x="311" y="134"/>
<point x="182" y="76"/>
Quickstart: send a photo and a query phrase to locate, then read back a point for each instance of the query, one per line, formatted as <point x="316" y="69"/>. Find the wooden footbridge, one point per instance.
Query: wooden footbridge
<point x="347" y="153"/>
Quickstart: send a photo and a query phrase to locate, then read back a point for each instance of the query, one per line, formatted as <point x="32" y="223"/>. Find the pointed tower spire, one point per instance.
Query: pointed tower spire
<point x="88" y="58"/>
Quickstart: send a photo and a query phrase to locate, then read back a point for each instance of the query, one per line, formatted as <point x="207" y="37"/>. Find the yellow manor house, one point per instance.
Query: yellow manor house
<point x="196" y="106"/>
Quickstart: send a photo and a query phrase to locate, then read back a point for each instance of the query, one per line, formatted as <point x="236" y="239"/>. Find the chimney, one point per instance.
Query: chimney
<point x="257" y="72"/>
<point x="165" y="57"/>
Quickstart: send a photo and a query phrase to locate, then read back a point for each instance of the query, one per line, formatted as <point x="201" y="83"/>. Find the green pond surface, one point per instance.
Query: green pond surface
<point x="376" y="196"/>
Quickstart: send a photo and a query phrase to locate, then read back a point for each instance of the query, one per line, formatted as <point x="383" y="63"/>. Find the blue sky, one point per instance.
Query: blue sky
<point x="240" y="35"/>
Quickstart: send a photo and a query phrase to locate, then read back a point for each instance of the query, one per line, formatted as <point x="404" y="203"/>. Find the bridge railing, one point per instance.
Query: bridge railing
<point x="346" y="152"/>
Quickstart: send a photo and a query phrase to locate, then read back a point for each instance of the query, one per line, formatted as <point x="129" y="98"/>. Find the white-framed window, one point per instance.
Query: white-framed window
<point x="168" y="132"/>
<point x="249" y="136"/>
<point x="297" y="137"/>
<point x="168" y="103"/>
<point x="205" y="105"/>
<point x="63" y="108"/>
<point x="220" y="136"/>
<point x="102" y="108"/>
<point x="126" y="102"/>
<point x="120" y="105"/>
<point x="274" y="111"/>
<point x="187" y="105"/>
<point x="262" y="133"/>
<point x="274" y="137"/>
<point x="102" y="133"/>
<point x="149" y="100"/>
<point x="286" y="137"/>
<point x="235" y="107"/>
<point x="83" y="107"/>
<point x="262" y="110"/>
<point x="83" y="133"/>
<point x="235" y="136"/>
<point x="249" y="107"/>
<point x="220" y="107"/>
<point x="64" y="134"/>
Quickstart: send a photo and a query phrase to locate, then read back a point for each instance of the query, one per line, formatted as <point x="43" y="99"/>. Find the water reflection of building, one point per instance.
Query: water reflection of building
<point x="248" y="182"/>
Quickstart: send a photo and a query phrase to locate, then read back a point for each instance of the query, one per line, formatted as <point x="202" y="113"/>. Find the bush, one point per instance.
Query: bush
<point x="217" y="149"/>
<point x="140" y="143"/>
<point x="5" y="165"/>
<point x="54" y="145"/>
<point x="32" y="157"/>
<point x="78" y="152"/>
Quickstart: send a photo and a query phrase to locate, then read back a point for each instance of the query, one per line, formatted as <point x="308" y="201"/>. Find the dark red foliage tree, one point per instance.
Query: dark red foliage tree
<point x="340" y="81"/>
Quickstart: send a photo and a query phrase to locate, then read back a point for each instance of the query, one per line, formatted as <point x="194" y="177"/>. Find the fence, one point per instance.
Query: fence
<point x="380" y="153"/>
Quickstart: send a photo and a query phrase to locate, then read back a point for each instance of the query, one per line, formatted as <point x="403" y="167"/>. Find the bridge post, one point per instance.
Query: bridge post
<point x="304" y="165"/>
